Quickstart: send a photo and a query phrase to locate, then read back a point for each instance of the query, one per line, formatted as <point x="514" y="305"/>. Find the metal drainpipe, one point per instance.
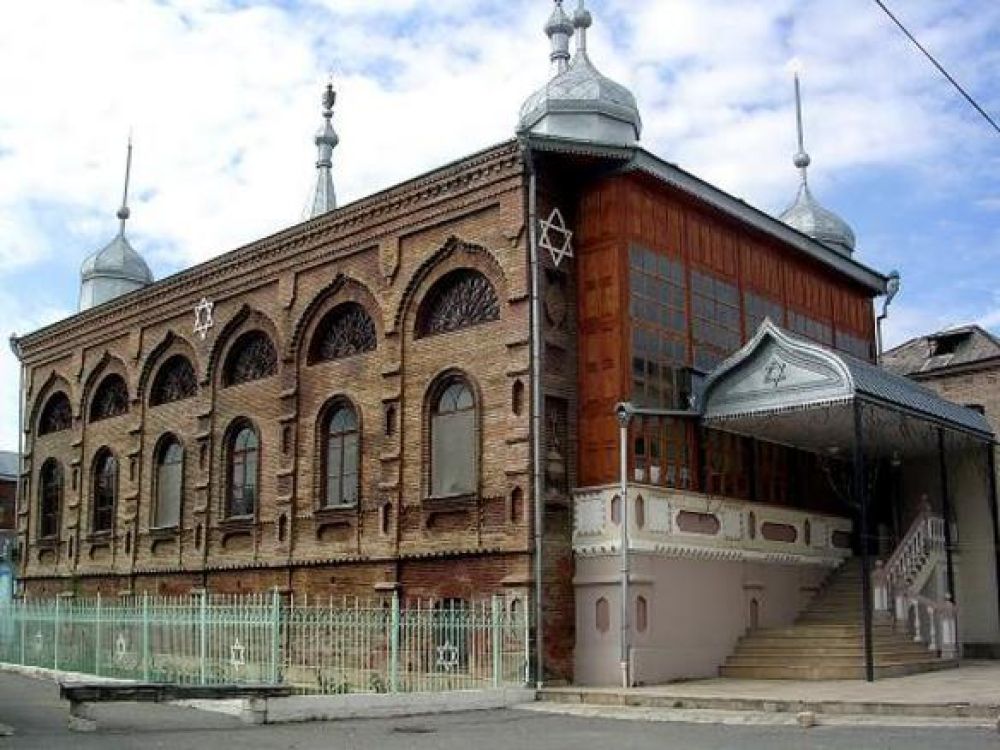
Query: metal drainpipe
<point x="624" y="414"/>
<point x="537" y="409"/>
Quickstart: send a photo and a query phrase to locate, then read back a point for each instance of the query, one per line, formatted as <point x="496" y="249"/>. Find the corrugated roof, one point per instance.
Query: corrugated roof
<point x="952" y="347"/>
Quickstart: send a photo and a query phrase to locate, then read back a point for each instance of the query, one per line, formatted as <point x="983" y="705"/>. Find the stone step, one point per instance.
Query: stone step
<point x="789" y="660"/>
<point x="773" y="649"/>
<point x="839" y="672"/>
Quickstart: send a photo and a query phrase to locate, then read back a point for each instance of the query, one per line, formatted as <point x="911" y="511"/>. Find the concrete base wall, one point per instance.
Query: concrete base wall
<point x="696" y="611"/>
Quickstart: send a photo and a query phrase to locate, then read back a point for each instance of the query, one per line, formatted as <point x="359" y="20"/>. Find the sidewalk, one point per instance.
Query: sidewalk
<point x="972" y="690"/>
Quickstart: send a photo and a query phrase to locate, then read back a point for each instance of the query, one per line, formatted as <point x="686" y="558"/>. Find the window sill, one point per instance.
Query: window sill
<point x="99" y="537"/>
<point x="237" y="521"/>
<point x="163" y="532"/>
<point x="457" y="498"/>
<point x="336" y="511"/>
<point x="48" y="542"/>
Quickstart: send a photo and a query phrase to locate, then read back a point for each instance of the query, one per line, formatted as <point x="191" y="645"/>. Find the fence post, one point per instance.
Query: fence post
<point x="496" y="625"/>
<point x="275" y="633"/>
<point x="203" y="636"/>
<point x="55" y="633"/>
<point x="97" y="635"/>
<point x="24" y="630"/>
<point x="394" y="644"/>
<point x="145" y="636"/>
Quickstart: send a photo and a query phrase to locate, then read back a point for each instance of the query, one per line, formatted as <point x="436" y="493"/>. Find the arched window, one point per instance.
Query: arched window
<point x="253" y="357"/>
<point x="458" y="300"/>
<point x="453" y="440"/>
<point x="169" y="484"/>
<point x="57" y="414"/>
<point x="345" y="331"/>
<point x="50" y="489"/>
<point x="341" y="456"/>
<point x="244" y="465"/>
<point x="110" y="400"/>
<point x="175" y="381"/>
<point x="105" y="490"/>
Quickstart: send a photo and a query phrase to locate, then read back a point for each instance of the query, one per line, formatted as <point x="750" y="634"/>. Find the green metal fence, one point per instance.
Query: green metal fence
<point x="343" y="646"/>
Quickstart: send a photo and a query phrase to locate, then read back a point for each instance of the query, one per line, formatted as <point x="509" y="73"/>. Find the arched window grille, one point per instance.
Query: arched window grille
<point x="110" y="399"/>
<point x="346" y="330"/>
<point x="169" y="484"/>
<point x="453" y="440"/>
<point x="105" y="490"/>
<point x="253" y="357"/>
<point x="175" y="381"/>
<point x="50" y="499"/>
<point x="458" y="300"/>
<point x="244" y="474"/>
<point x="57" y="415"/>
<point x="342" y="456"/>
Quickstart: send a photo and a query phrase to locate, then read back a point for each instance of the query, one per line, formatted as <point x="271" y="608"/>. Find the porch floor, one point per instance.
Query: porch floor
<point x="972" y="689"/>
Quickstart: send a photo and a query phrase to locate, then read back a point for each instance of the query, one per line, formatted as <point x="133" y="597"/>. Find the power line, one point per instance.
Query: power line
<point x="938" y="65"/>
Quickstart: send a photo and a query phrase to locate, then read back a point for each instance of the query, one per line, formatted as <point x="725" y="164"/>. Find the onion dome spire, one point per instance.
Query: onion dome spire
<point x="116" y="269"/>
<point x="323" y="197"/>
<point x="578" y="102"/>
<point x="806" y="214"/>
<point x="559" y="29"/>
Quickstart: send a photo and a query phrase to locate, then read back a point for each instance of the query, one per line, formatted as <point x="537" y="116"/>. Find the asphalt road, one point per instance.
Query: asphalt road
<point x="32" y="708"/>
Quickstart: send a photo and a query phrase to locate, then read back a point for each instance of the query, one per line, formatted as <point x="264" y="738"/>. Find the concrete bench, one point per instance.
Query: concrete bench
<point x="82" y="695"/>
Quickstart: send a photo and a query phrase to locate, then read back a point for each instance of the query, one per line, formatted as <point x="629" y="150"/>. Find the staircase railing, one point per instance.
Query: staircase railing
<point x="897" y="584"/>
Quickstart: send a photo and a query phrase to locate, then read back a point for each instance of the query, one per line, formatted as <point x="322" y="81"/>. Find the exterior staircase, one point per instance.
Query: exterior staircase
<point x="827" y="641"/>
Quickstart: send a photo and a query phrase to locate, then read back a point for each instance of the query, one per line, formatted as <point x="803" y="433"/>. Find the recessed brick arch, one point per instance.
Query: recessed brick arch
<point x="244" y="320"/>
<point x="171" y="343"/>
<point x="341" y="289"/>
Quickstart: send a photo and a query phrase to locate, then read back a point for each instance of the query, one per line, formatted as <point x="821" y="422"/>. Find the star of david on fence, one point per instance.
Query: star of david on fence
<point x="121" y="648"/>
<point x="203" y="320"/>
<point x="556" y="238"/>
<point x="447" y="657"/>
<point x="237" y="654"/>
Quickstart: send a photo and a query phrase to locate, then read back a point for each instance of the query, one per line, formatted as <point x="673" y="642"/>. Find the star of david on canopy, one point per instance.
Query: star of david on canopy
<point x="556" y="238"/>
<point x="203" y="320"/>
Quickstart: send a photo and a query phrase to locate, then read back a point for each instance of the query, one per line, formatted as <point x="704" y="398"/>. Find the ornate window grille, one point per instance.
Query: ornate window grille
<point x="342" y="454"/>
<point x="453" y="441"/>
<point x="169" y="481"/>
<point x="105" y="490"/>
<point x="460" y="299"/>
<point x="110" y="400"/>
<point x="51" y="493"/>
<point x="175" y="381"/>
<point x="253" y="357"/>
<point x="346" y="331"/>
<point x="57" y="415"/>
<point x="244" y="464"/>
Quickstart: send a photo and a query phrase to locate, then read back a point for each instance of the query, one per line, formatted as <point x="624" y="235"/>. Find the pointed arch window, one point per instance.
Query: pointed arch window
<point x="169" y="484"/>
<point x="110" y="399"/>
<point x="50" y="499"/>
<point x="253" y="357"/>
<point x="460" y="299"/>
<point x="341" y="456"/>
<point x="105" y="491"/>
<point x="243" y="472"/>
<point x="175" y="381"/>
<point x="345" y="331"/>
<point x="57" y="415"/>
<point x="453" y="440"/>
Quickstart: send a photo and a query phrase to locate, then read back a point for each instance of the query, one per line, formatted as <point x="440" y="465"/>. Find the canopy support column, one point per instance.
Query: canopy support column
<point x="991" y="498"/>
<point x="946" y="512"/>
<point x="861" y="494"/>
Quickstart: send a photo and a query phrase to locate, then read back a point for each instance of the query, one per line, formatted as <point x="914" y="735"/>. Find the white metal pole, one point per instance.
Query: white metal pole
<point x="624" y="414"/>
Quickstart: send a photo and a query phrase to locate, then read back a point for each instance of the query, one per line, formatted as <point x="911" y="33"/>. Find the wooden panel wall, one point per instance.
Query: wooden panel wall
<point x="620" y="210"/>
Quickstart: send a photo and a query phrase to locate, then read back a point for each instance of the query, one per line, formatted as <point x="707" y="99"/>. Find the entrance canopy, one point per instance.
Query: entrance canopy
<point x="784" y="389"/>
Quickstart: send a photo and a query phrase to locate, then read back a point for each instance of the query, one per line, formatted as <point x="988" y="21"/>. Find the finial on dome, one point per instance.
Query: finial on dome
<point x="559" y="29"/>
<point x="801" y="158"/>
<point x="582" y="20"/>
<point x="323" y="197"/>
<point x="123" y="212"/>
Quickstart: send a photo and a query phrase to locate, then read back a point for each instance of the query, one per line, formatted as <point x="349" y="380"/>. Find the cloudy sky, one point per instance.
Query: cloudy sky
<point x="223" y="98"/>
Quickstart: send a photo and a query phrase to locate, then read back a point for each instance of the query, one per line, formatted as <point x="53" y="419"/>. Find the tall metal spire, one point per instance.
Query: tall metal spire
<point x="582" y="20"/>
<point x="559" y="29"/>
<point x="324" y="198"/>
<point x="123" y="212"/>
<point x="806" y="214"/>
<point x="801" y="158"/>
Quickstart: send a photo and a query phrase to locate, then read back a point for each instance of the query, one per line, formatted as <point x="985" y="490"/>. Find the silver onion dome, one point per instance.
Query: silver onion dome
<point x="117" y="268"/>
<point x="806" y="214"/>
<point x="579" y="102"/>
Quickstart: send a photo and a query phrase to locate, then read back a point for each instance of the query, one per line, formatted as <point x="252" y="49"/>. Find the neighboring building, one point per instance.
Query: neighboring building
<point x="9" y="471"/>
<point x="416" y="392"/>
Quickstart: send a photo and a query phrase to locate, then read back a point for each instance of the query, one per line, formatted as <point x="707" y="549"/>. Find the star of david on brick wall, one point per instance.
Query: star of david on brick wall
<point x="203" y="320"/>
<point x="556" y="238"/>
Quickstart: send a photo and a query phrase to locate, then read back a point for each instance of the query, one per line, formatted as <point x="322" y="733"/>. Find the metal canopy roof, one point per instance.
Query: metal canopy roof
<point x="790" y="390"/>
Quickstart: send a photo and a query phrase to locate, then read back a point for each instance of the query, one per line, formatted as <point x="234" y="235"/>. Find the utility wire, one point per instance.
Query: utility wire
<point x="938" y="65"/>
